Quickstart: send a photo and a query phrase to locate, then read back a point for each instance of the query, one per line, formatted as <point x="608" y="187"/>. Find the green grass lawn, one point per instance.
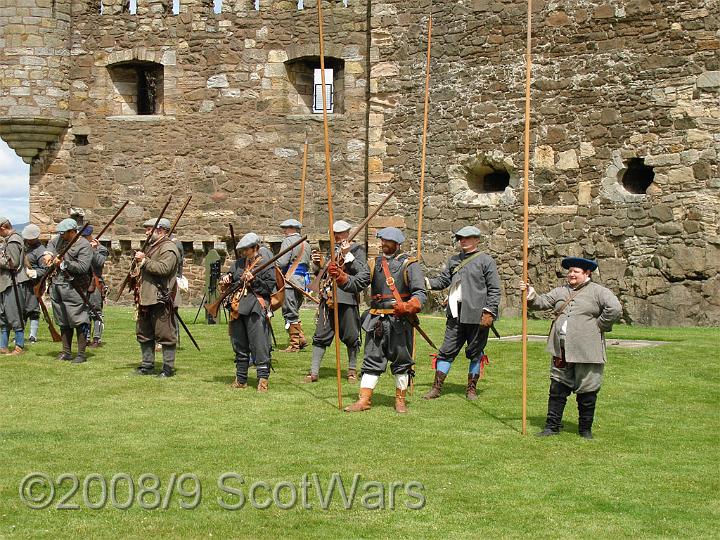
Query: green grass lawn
<point x="652" y="470"/>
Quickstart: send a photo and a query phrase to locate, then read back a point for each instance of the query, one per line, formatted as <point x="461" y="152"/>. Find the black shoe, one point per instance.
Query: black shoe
<point x="142" y="371"/>
<point x="65" y="356"/>
<point x="79" y="359"/>
<point x="165" y="374"/>
<point x="547" y="432"/>
<point x="32" y="339"/>
<point x="586" y="434"/>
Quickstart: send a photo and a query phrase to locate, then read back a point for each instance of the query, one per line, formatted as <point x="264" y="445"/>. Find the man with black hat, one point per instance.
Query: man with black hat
<point x="296" y="266"/>
<point x="98" y="289"/>
<point x="34" y="252"/>
<point x="249" y="305"/>
<point x="69" y="308"/>
<point x="473" y="301"/>
<point x="584" y="311"/>
<point x="397" y="290"/>
<point x="13" y="288"/>
<point x="156" y="292"/>
<point x="354" y="264"/>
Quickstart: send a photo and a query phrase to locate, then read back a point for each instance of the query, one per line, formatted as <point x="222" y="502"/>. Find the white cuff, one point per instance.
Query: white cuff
<point x="349" y="257"/>
<point x="531" y="292"/>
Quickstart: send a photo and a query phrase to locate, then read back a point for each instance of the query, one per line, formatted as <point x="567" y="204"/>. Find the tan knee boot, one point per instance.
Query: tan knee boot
<point x="400" y="406"/>
<point x="363" y="402"/>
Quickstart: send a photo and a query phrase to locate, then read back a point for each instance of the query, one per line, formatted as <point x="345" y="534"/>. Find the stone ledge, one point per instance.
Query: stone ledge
<point x="150" y="118"/>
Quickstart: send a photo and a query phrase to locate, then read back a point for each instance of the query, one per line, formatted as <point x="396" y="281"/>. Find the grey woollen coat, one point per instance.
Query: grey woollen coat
<point x="589" y="315"/>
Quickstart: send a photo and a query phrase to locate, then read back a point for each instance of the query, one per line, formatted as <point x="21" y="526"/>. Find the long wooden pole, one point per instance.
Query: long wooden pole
<point x="526" y="225"/>
<point x="302" y="181"/>
<point x="424" y="143"/>
<point x="328" y="180"/>
<point x="421" y="205"/>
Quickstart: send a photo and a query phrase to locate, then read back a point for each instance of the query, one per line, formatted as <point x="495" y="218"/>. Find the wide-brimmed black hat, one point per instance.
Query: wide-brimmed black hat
<point x="579" y="262"/>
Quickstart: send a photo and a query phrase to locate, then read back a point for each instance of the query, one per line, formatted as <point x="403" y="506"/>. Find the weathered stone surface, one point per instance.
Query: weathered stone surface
<point x="709" y="79"/>
<point x="612" y="81"/>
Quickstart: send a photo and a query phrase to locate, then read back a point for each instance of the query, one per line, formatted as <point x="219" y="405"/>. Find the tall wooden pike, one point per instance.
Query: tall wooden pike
<point x="526" y="225"/>
<point x="421" y="204"/>
<point x="328" y="180"/>
<point x="302" y="181"/>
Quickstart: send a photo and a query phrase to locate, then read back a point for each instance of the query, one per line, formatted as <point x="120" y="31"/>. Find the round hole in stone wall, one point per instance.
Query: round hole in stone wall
<point x="488" y="179"/>
<point x="637" y="176"/>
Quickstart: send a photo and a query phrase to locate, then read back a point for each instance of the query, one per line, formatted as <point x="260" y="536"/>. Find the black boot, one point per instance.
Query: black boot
<point x="147" y="364"/>
<point x="66" y="335"/>
<point x="586" y="413"/>
<point x="82" y="345"/>
<point x="556" y="405"/>
<point x="168" y="369"/>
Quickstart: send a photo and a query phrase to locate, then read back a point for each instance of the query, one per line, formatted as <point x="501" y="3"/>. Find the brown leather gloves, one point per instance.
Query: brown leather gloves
<point x="486" y="320"/>
<point x="410" y="307"/>
<point x="337" y="273"/>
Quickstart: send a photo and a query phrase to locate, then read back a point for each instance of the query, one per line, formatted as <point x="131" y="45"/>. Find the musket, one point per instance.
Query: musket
<point x="301" y="290"/>
<point x="143" y="248"/>
<point x="234" y="241"/>
<point x="39" y="288"/>
<point x="315" y="286"/>
<point x="112" y="220"/>
<point x="213" y="308"/>
<point x="180" y="214"/>
<point x="415" y="323"/>
<point x="187" y="330"/>
<point x="56" y="337"/>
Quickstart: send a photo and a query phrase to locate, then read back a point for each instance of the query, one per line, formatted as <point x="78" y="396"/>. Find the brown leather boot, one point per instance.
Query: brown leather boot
<point x="294" y="345"/>
<point x="310" y="378"/>
<point x="434" y="392"/>
<point x="4" y="351"/>
<point x="400" y="401"/>
<point x="262" y="386"/>
<point x="352" y="376"/>
<point x="16" y="351"/>
<point x="363" y="402"/>
<point x="302" y="341"/>
<point x="471" y="391"/>
<point x="237" y="384"/>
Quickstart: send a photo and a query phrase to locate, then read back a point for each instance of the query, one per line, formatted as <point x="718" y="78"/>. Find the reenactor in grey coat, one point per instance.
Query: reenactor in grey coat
<point x="155" y="289"/>
<point x="354" y="264"/>
<point x="397" y="290"/>
<point x="69" y="285"/>
<point x="249" y="324"/>
<point x="584" y="311"/>
<point x="34" y="255"/>
<point x="296" y="267"/>
<point x="473" y="301"/>
<point x="98" y="289"/>
<point x="14" y="283"/>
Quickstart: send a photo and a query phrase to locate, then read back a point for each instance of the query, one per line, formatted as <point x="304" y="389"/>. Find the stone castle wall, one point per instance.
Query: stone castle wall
<point x="613" y="81"/>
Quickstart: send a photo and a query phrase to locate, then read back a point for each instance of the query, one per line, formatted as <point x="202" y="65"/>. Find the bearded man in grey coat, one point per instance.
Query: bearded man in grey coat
<point x="584" y="311"/>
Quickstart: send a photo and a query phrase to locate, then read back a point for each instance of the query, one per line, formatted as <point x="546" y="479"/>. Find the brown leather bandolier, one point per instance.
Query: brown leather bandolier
<point x="235" y="299"/>
<point x="390" y="282"/>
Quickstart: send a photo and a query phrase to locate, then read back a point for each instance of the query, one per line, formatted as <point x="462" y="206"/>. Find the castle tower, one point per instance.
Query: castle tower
<point x="34" y="58"/>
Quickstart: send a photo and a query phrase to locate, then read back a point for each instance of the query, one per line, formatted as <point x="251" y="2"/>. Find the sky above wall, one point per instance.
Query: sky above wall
<point x="14" y="186"/>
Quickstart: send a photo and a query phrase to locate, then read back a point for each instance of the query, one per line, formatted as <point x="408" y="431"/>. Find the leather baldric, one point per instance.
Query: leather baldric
<point x="390" y="281"/>
<point x="570" y="298"/>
